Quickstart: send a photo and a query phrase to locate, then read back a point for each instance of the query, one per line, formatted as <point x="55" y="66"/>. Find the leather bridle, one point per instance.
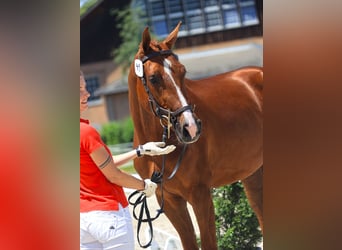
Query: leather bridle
<point x="157" y="177"/>
<point x="158" y="110"/>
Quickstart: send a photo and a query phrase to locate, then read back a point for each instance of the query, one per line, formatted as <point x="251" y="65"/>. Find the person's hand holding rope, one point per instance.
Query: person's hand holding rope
<point x="138" y="199"/>
<point x="140" y="196"/>
<point x="153" y="149"/>
<point x="150" y="188"/>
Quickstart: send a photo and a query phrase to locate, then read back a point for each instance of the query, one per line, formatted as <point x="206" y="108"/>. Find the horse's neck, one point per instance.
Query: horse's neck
<point x="146" y="124"/>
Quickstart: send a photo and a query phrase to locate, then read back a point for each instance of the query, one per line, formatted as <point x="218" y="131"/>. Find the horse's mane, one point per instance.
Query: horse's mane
<point x="154" y="45"/>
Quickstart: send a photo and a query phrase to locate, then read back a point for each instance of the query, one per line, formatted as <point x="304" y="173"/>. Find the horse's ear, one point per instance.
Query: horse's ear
<point x="146" y="39"/>
<point x="172" y="37"/>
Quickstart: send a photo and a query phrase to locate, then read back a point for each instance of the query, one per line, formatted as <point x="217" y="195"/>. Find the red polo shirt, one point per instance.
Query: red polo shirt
<point x="96" y="192"/>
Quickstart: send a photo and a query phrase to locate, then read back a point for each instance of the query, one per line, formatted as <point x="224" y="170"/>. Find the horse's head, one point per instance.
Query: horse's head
<point x="162" y="76"/>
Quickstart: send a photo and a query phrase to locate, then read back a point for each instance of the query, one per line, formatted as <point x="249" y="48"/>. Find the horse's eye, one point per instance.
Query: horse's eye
<point x="153" y="79"/>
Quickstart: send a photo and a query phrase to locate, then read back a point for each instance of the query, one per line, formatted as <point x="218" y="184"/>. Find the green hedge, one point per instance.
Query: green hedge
<point x="117" y="132"/>
<point x="236" y="224"/>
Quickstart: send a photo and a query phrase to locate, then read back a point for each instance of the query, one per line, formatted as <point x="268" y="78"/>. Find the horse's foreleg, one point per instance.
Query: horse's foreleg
<point x="202" y="204"/>
<point x="253" y="186"/>
<point x="177" y="212"/>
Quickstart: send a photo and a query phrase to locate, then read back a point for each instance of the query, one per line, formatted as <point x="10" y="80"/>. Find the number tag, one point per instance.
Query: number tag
<point x="138" y="66"/>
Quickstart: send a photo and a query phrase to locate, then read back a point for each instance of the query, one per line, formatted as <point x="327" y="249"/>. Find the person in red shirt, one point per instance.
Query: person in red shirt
<point x="105" y="222"/>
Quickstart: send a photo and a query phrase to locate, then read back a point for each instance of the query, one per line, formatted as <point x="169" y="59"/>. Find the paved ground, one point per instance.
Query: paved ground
<point x="162" y="228"/>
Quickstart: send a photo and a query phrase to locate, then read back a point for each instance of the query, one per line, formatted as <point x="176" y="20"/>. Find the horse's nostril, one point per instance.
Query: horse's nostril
<point x="185" y="133"/>
<point x="199" y="125"/>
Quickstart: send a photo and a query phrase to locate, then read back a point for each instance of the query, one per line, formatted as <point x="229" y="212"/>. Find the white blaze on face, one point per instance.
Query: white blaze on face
<point x="192" y="128"/>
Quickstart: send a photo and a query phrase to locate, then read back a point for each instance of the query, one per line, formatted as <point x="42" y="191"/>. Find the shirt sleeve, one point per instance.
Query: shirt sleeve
<point x="90" y="139"/>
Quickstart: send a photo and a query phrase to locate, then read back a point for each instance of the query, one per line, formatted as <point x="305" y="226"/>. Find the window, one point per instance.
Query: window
<point x="195" y="22"/>
<point x="211" y="3"/>
<point x="175" y="20"/>
<point x="246" y="2"/>
<point x="199" y="16"/>
<point x="92" y="85"/>
<point x="213" y="19"/>
<point x="228" y="4"/>
<point x="160" y="27"/>
<point x="231" y="18"/>
<point x="249" y="15"/>
<point x="175" y="6"/>
<point x="192" y="4"/>
<point x="158" y="8"/>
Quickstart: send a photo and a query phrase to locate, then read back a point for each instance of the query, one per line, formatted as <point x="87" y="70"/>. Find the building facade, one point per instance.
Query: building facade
<point x="219" y="19"/>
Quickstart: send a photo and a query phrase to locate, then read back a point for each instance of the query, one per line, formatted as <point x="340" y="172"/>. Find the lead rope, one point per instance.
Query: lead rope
<point x="141" y="200"/>
<point x="156" y="177"/>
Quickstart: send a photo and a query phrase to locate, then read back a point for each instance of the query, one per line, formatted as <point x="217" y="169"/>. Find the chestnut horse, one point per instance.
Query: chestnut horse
<point x="218" y="119"/>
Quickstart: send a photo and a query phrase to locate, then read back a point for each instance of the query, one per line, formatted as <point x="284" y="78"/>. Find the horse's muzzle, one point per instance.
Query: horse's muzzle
<point x="188" y="134"/>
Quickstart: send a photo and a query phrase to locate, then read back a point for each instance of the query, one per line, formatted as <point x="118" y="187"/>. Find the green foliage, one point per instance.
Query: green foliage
<point x="86" y="5"/>
<point x="127" y="132"/>
<point x="236" y="224"/>
<point x="117" y="132"/>
<point x="131" y="24"/>
<point x="129" y="168"/>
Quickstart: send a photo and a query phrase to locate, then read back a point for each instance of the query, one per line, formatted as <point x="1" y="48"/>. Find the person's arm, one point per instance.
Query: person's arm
<point x="149" y="148"/>
<point x="106" y="164"/>
<point x="123" y="158"/>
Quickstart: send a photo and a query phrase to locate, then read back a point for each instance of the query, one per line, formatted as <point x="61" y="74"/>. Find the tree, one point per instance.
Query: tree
<point x="236" y="224"/>
<point x="86" y="5"/>
<point x="131" y="23"/>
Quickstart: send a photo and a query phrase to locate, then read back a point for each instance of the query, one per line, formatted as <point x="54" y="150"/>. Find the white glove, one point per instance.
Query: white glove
<point x="150" y="188"/>
<point x="154" y="148"/>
